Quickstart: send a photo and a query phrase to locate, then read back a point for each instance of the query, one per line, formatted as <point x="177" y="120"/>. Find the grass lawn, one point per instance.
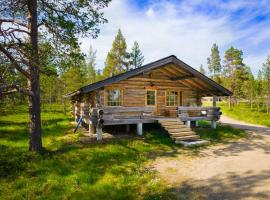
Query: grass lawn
<point x="71" y="170"/>
<point x="244" y="113"/>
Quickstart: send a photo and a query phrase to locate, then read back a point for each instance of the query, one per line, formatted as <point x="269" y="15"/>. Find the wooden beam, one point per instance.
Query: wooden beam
<point x="178" y="78"/>
<point x="168" y="74"/>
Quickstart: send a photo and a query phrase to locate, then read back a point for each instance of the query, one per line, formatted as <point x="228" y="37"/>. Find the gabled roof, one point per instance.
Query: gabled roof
<point x="148" y="67"/>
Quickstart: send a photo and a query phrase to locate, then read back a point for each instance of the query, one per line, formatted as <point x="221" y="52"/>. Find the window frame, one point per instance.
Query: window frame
<point x="166" y="98"/>
<point x="106" y="93"/>
<point x="179" y="101"/>
<point x="146" y="102"/>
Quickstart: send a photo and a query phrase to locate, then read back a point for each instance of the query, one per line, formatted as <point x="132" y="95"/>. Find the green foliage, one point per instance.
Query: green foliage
<point x="213" y="62"/>
<point x="266" y="76"/>
<point x="202" y="70"/>
<point x="235" y="72"/>
<point x="73" y="79"/>
<point x="136" y="56"/>
<point x="117" y="58"/>
<point x="91" y="63"/>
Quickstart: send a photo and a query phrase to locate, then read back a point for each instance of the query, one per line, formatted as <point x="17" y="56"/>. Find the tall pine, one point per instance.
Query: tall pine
<point x="266" y="77"/>
<point x="214" y="65"/>
<point x="91" y="64"/>
<point x="202" y="70"/>
<point x="117" y="59"/>
<point x="235" y="72"/>
<point x="136" y="56"/>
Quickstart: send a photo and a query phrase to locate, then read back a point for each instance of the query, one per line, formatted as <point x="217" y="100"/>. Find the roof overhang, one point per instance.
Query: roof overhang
<point x="192" y="73"/>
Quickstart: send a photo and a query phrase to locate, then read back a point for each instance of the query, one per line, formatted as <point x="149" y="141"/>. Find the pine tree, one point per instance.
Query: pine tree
<point x="266" y="77"/>
<point x="202" y="70"/>
<point x="91" y="64"/>
<point x="59" y="22"/>
<point x="249" y="87"/>
<point x="213" y="62"/>
<point x="235" y="72"/>
<point x="136" y="56"/>
<point x="259" y="88"/>
<point x="117" y="58"/>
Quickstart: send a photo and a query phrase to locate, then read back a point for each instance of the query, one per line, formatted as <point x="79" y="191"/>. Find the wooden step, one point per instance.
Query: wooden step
<point x="174" y="126"/>
<point x="173" y="135"/>
<point x="191" y="137"/>
<point x="179" y="130"/>
<point x="171" y="123"/>
<point x="168" y="119"/>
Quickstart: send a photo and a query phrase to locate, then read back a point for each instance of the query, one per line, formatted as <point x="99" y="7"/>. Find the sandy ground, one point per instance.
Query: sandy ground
<point x="236" y="170"/>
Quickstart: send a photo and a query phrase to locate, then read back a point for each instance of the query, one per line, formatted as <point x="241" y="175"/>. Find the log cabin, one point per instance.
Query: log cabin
<point x="167" y="91"/>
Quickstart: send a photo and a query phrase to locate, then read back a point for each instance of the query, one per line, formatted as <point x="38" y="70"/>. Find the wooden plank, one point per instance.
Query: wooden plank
<point x="178" y="78"/>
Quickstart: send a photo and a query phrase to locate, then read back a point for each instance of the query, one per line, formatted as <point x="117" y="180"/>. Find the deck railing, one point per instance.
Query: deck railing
<point x="198" y="113"/>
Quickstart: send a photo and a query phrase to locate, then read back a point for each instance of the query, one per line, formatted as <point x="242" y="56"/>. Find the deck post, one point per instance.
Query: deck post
<point x="214" y="124"/>
<point x="91" y="128"/>
<point x="189" y="124"/>
<point x="99" y="133"/>
<point x="75" y="113"/>
<point x="127" y="128"/>
<point x="139" y="128"/>
<point x="214" y="101"/>
<point x="196" y="123"/>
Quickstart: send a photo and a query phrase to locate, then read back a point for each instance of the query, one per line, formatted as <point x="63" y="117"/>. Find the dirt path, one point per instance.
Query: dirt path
<point x="237" y="170"/>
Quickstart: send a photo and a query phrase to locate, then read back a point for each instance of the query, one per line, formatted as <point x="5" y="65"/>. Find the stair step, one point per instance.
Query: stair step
<point x="168" y="119"/>
<point x="179" y="130"/>
<point x="175" y="126"/>
<point x="173" y="135"/>
<point x="183" y="133"/>
<point x="171" y="123"/>
<point x="191" y="137"/>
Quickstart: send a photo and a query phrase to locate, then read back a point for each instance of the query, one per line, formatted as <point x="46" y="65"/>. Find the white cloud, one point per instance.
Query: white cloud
<point x="165" y="28"/>
<point x="150" y="12"/>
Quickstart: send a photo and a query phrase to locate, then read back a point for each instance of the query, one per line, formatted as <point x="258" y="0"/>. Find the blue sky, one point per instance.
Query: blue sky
<point x="187" y="29"/>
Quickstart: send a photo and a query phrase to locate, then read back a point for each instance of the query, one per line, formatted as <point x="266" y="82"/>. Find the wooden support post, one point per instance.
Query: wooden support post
<point x="99" y="133"/>
<point x="127" y="128"/>
<point x="139" y="128"/>
<point x="214" y="124"/>
<point x="189" y="124"/>
<point x="75" y="113"/>
<point x="230" y="102"/>
<point x="214" y="101"/>
<point x="91" y="128"/>
<point x="196" y="123"/>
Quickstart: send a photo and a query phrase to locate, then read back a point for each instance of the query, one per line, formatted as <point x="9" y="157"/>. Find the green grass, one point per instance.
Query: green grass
<point x="244" y="113"/>
<point x="69" y="169"/>
<point x="222" y="133"/>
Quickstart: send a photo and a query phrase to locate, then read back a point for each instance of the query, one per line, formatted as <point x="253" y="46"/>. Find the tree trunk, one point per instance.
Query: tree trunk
<point x="35" y="142"/>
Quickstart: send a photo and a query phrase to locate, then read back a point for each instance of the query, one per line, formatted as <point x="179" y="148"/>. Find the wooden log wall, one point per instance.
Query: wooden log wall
<point x="134" y="94"/>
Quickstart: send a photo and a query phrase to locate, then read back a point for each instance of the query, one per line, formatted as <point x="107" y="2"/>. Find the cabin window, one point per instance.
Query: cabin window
<point x="172" y="98"/>
<point x="150" y="97"/>
<point x="114" y="97"/>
